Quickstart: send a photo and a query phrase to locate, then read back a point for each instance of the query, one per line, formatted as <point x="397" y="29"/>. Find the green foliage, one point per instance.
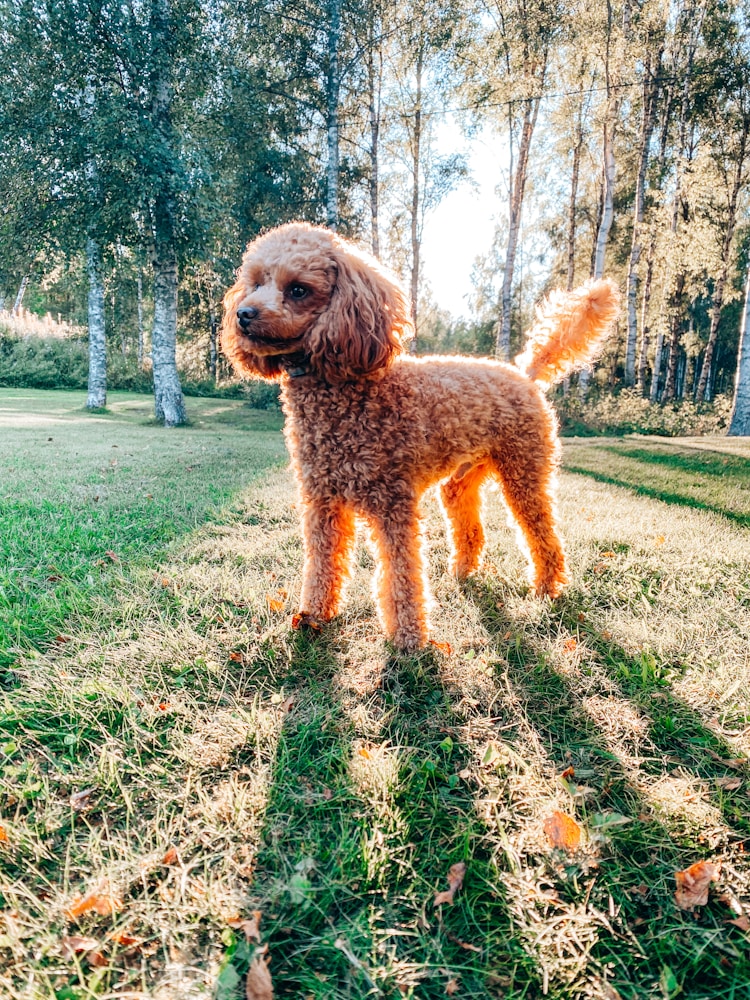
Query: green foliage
<point x="62" y="363"/>
<point x="630" y="413"/>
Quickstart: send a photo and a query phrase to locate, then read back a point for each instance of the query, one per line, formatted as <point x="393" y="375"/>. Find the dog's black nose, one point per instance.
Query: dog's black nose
<point x="246" y="315"/>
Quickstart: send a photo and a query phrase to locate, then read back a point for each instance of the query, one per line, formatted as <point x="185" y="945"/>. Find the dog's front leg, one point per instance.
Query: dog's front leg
<point x="400" y="583"/>
<point x="328" y="534"/>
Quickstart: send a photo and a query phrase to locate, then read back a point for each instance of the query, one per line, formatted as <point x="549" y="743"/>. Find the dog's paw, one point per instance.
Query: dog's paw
<point x="304" y="621"/>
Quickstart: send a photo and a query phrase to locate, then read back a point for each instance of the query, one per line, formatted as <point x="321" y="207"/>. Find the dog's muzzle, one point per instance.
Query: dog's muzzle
<point x="246" y="315"/>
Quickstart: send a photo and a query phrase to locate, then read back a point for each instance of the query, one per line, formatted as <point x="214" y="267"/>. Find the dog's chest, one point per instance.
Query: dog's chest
<point x="343" y="439"/>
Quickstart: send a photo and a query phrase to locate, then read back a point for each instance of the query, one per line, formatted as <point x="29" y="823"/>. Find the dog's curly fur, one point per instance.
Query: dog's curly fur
<point x="370" y="429"/>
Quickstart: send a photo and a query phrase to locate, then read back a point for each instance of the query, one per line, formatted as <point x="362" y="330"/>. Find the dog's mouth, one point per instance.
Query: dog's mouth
<point x="277" y="345"/>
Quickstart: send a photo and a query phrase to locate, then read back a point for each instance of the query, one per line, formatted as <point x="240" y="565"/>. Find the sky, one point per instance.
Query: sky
<point x="462" y="226"/>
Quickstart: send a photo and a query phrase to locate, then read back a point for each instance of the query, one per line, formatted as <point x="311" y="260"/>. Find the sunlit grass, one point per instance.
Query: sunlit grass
<point x="237" y="766"/>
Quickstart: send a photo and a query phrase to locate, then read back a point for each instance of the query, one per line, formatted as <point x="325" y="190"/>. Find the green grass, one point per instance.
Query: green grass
<point x="231" y="765"/>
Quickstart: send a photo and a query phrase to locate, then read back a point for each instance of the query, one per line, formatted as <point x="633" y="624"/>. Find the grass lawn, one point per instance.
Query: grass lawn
<point x="174" y="759"/>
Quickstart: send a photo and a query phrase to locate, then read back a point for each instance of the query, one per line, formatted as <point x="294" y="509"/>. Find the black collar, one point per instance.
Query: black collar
<point x="297" y="365"/>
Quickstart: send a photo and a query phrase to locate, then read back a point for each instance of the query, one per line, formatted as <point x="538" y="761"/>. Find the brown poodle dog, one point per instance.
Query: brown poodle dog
<point x="370" y="429"/>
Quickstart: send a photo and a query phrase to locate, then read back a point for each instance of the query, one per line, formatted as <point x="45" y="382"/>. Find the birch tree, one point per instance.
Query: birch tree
<point x="739" y="424"/>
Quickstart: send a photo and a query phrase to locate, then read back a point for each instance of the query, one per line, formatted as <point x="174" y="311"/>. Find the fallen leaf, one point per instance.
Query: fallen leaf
<point x="288" y="704"/>
<point x="171" y="857"/>
<point x="112" y="556"/>
<point x="236" y="656"/>
<point x="562" y="831"/>
<point x="276" y="601"/>
<point x="258" y="985"/>
<point x="569" y="772"/>
<point x="81" y="800"/>
<point x="3" y="835"/>
<point x="609" y="554"/>
<point x="730" y="783"/>
<point x="250" y="927"/>
<point x="102" y="901"/>
<point x="75" y="945"/>
<point x="455" y="881"/>
<point x="97" y="959"/>
<point x="443" y="647"/>
<point x="571" y="645"/>
<point x="742" y="922"/>
<point x="364" y="752"/>
<point x="451" y="987"/>
<point x="693" y="883"/>
<point x="606" y="635"/>
<point x="659" y="540"/>
<point x="124" y="939"/>
<point x="733" y="762"/>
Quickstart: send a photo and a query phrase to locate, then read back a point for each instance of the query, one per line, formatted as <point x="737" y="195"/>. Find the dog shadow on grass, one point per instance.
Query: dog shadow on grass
<point x="628" y="748"/>
<point x="387" y="773"/>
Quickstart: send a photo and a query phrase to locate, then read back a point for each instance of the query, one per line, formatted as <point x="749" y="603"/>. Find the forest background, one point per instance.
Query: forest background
<point x="143" y="143"/>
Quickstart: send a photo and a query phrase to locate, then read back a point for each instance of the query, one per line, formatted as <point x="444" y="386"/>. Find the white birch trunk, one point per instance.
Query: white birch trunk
<point x="332" y="113"/>
<point x="518" y="184"/>
<point x="416" y="150"/>
<point x="739" y="425"/>
<point x="21" y="292"/>
<point x="169" y="405"/>
<point x="97" y="385"/>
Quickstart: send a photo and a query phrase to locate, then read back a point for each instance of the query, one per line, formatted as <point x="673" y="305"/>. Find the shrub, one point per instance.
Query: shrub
<point x="628" y="412"/>
<point x="29" y="360"/>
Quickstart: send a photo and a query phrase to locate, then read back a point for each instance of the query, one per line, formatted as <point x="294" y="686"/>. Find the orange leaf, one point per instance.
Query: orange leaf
<point x="451" y="987"/>
<point x="124" y="939"/>
<point x="258" y="985"/>
<point x="3" y="835"/>
<point x="102" y="902"/>
<point x="609" y="554"/>
<point x="659" y="540"/>
<point x="171" y="857"/>
<point x="569" y="772"/>
<point x="455" y="881"/>
<point x="75" y="945"/>
<point x="742" y="922"/>
<point x="571" y="645"/>
<point x="236" y="656"/>
<point x="562" y="831"/>
<point x="443" y="647"/>
<point x="276" y="603"/>
<point x="693" y="883"/>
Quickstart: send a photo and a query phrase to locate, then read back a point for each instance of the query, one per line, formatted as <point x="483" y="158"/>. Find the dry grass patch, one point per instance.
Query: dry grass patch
<point x="235" y="766"/>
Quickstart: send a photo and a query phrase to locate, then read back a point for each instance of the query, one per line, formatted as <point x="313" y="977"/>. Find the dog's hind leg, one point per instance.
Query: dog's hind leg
<point x="461" y="502"/>
<point x="400" y="583"/>
<point x="328" y="532"/>
<point x="527" y="477"/>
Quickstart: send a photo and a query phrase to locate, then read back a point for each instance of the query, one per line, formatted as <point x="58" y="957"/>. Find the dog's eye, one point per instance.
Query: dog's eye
<point x="297" y="292"/>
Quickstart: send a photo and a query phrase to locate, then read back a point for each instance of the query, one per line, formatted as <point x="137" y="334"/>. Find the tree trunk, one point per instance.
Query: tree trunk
<point x="333" y="86"/>
<point x="19" y="297"/>
<point x="645" y="324"/>
<point x="416" y="150"/>
<point x="670" y="385"/>
<point x="650" y="90"/>
<point x="574" y="196"/>
<point x="726" y="251"/>
<point x="739" y="425"/>
<point x="139" y="286"/>
<point x="97" y="385"/>
<point x="374" y="80"/>
<point x="518" y="184"/>
<point x="169" y="404"/>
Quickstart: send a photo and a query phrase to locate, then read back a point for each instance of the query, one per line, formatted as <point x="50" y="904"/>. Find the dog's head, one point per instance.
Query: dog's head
<point x="306" y="295"/>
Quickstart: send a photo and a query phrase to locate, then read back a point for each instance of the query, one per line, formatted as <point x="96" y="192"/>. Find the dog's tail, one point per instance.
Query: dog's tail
<point x="570" y="329"/>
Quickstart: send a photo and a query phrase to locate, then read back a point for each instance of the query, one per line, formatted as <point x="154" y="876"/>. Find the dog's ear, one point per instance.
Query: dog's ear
<point x="245" y="362"/>
<point x="366" y="323"/>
